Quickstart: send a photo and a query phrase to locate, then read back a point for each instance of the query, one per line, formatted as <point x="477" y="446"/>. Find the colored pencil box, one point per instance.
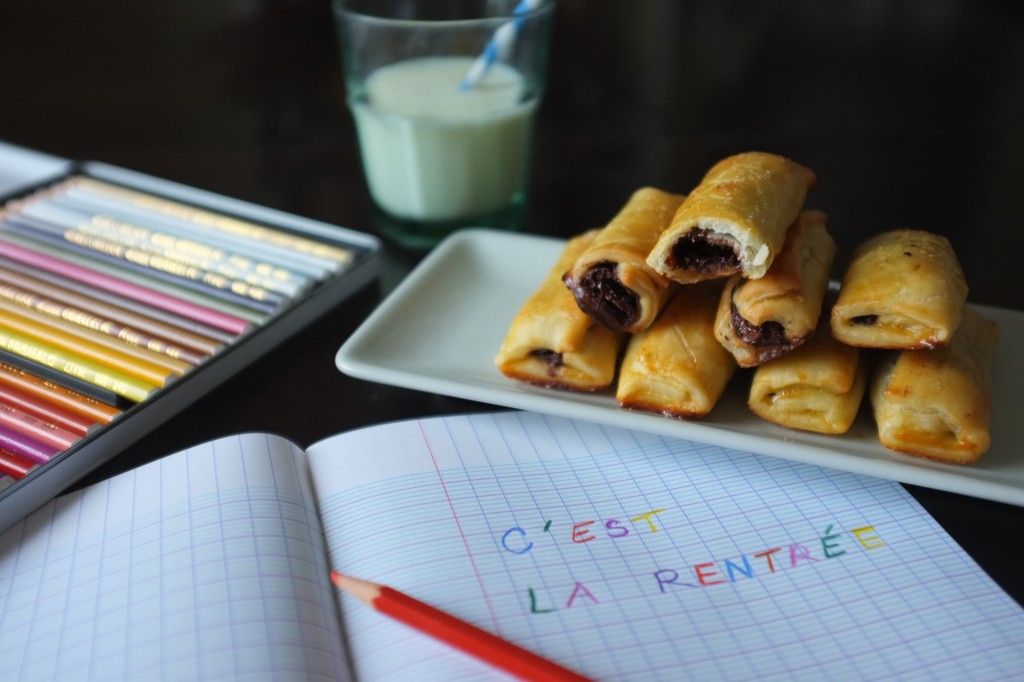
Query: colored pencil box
<point x="124" y="298"/>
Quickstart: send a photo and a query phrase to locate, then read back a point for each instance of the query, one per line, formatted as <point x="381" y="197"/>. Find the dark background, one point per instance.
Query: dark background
<point x="910" y="113"/>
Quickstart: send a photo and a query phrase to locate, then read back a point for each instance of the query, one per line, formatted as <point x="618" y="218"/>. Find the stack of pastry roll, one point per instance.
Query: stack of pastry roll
<point x="905" y="291"/>
<point x="659" y="247"/>
<point x="551" y="342"/>
<point x="736" y="275"/>
<point x="746" y="222"/>
<point x="672" y="363"/>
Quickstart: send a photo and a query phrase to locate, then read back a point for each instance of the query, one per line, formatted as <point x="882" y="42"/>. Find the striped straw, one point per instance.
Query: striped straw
<point x="497" y="45"/>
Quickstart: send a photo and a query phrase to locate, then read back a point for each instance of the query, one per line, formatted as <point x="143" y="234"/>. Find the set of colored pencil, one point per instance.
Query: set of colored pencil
<point x="109" y="294"/>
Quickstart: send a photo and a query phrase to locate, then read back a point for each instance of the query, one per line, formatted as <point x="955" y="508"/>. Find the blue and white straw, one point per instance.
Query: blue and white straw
<point x="497" y="45"/>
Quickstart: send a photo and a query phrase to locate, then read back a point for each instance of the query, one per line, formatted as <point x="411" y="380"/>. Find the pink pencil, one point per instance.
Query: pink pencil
<point x="134" y="292"/>
<point x="24" y="446"/>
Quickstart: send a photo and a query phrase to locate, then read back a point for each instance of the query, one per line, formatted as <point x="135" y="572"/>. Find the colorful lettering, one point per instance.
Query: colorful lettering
<point x="665" y="576"/>
<point x="868" y="542"/>
<point x="580" y="532"/>
<point x="798" y="552"/>
<point x="647" y="517"/>
<point x="533" y="603"/>
<point x="827" y="545"/>
<point x="510" y="531"/>
<point x="615" y="528"/>
<point x="732" y="568"/>
<point x="580" y="589"/>
<point x="704" y="577"/>
<point x="516" y="541"/>
<point x="767" y="554"/>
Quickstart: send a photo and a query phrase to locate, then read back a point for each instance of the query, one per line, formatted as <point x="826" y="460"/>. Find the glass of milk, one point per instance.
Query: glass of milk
<point x="444" y="129"/>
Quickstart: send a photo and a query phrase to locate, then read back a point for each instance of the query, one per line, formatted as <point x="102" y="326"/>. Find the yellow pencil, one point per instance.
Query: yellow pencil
<point x="94" y="340"/>
<point x="68" y="363"/>
<point x="151" y="373"/>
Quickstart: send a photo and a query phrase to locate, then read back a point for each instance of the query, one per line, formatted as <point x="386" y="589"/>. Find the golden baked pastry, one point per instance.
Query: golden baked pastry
<point x="735" y="221"/>
<point x="816" y="387"/>
<point x="677" y="367"/>
<point x="902" y="289"/>
<point x="761" y="319"/>
<point x="611" y="280"/>
<point x="551" y="342"/>
<point x="937" y="403"/>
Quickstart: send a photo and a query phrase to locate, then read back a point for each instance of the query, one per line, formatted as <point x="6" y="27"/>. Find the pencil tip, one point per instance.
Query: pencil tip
<point x="362" y="590"/>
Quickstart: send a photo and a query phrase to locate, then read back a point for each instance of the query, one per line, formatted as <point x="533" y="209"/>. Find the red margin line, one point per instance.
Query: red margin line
<point x="462" y="534"/>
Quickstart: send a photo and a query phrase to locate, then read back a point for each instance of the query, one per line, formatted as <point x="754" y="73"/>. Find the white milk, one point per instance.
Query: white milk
<point x="433" y="152"/>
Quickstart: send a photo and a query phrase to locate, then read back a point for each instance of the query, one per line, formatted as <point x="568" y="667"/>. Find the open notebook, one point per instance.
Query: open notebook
<point x="618" y="554"/>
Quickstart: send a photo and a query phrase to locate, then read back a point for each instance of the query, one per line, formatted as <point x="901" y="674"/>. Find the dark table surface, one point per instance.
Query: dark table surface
<point x="910" y="113"/>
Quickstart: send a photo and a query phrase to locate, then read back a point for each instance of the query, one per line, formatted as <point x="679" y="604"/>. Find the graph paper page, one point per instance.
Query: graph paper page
<point x="633" y="557"/>
<point x="207" y="564"/>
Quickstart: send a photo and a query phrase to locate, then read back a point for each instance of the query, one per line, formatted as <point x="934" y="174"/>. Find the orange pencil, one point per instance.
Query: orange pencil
<point x="454" y="632"/>
<point x="106" y="350"/>
<point x="44" y="389"/>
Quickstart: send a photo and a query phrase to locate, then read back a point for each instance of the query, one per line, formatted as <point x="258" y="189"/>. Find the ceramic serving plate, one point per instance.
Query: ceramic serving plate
<point x="440" y="329"/>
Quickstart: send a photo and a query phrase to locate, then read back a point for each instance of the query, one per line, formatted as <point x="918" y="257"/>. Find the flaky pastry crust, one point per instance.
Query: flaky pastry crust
<point x="551" y="342"/>
<point x="611" y="279"/>
<point x="937" y="403"/>
<point x="735" y="221"/>
<point x="902" y="289"/>
<point x="677" y="367"/>
<point x="817" y="387"/>
<point x="761" y="319"/>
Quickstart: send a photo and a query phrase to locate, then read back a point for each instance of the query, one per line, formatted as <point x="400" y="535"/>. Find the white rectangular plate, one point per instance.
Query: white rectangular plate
<point x="440" y="329"/>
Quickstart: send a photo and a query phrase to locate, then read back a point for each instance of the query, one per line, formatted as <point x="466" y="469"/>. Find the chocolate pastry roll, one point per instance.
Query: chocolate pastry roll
<point x="735" y="221"/>
<point x="760" y="319"/>
<point x="936" y="403"/>
<point x="902" y="289"/>
<point x="677" y="367"/>
<point x="551" y="342"/>
<point x="611" y="279"/>
<point x="817" y="387"/>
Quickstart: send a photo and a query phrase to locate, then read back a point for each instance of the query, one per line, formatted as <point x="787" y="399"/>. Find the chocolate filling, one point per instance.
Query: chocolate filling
<point x="864" y="320"/>
<point x="770" y="333"/>
<point x="553" y="359"/>
<point x="699" y="251"/>
<point x="600" y="294"/>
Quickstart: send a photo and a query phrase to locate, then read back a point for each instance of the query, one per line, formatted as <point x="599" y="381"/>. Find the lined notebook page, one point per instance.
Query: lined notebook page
<point x="630" y="556"/>
<point x="208" y="564"/>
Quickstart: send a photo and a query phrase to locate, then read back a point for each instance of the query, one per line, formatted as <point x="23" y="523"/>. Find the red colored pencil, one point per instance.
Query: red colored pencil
<point x="32" y="426"/>
<point x="454" y="632"/>
<point x="45" y="410"/>
<point x="13" y="464"/>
